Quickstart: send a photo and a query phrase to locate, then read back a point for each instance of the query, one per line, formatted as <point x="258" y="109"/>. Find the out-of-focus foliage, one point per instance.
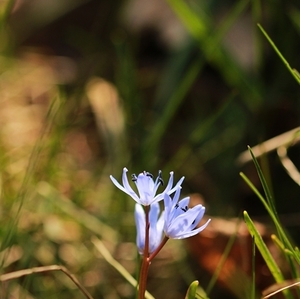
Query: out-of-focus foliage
<point x="88" y="87"/>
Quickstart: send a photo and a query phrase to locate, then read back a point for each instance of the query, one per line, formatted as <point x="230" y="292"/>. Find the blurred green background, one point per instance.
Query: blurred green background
<point x="88" y="87"/>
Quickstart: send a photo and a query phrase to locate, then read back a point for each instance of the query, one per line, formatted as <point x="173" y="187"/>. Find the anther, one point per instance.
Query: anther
<point x="149" y="175"/>
<point x="185" y="209"/>
<point x="133" y="178"/>
<point x="160" y="180"/>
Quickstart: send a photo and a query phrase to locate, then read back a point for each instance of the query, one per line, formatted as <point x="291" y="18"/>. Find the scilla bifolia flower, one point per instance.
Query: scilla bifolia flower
<point x="155" y="229"/>
<point x="146" y="187"/>
<point x="180" y="221"/>
<point x="177" y="221"/>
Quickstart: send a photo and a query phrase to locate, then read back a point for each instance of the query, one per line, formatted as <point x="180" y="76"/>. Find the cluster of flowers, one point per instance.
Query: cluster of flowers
<point x="177" y="221"/>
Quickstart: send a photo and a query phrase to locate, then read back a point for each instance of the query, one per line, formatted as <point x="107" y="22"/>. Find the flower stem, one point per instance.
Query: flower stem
<point x="146" y="262"/>
<point x="157" y="250"/>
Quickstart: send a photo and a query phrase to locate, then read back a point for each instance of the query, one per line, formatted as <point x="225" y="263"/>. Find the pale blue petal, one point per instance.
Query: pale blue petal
<point x="199" y="216"/>
<point x="155" y="230"/>
<point x="130" y="192"/>
<point x="146" y="187"/>
<point x="127" y="186"/>
<point x="192" y="232"/>
<point x="170" y="182"/>
<point x="140" y="227"/>
<point x="176" y="186"/>
<point x="154" y="212"/>
<point x="172" y="210"/>
<point x="180" y="221"/>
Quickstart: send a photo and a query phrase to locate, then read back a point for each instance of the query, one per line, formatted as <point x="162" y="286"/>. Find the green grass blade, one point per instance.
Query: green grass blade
<point x="264" y="183"/>
<point x="108" y="257"/>
<point x="195" y="25"/>
<point x="264" y="251"/>
<point x="201" y="29"/>
<point x="192" y="290"/>
<point x="172" y="106"/>
<point x="253" y="269"/>
<point x="259" y="195"/>
<point x="228" y="22"/>
<point x="292" y="71"/>
<point x="269" y="205"/>
<point x="274" y="269"/>
<point x="274" y="218"/>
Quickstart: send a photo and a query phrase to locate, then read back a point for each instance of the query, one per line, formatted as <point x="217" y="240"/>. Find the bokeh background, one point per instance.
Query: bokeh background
<point x="90" y="86"/>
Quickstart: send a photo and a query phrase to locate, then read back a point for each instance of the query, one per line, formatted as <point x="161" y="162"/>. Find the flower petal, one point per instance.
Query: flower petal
<point x="199" y="216"/>
<point x="180" y="221"/>
<point x="139" y="215"/>
<point x="193" y="232"/>
<point x="126" y="188"/>
<point x="155" y="229"/>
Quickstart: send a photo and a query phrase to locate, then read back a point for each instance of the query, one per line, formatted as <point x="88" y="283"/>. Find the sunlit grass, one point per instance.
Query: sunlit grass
<point x="60" y="139"/>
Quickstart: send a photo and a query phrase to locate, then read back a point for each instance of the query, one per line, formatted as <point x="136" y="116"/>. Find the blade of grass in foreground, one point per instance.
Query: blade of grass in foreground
<point x="273" y="217"/>
<point x="294" y="72"/>
<point x="108" y="257"/>
<point x="192" y="290"/>
<point x="25" y="188"/>
<point x="264" y="183"/>
<point x="253" y="269"/>
<point x="195" y="291"/>
<point x="263" y="249"/>
<point x="270" y="207"/>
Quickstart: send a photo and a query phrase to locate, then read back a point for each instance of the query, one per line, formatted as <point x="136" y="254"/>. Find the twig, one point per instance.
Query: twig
<point x="25" y="272"/>
<point x="270" y="145"/>
<point x="279" y="287"/>
<point x="288" y="164"/>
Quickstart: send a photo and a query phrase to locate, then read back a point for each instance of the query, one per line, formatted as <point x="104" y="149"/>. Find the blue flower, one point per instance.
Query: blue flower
<point x="146" y="187"/>
<point x="180" y="221"/>
<point x="156" y="227"/>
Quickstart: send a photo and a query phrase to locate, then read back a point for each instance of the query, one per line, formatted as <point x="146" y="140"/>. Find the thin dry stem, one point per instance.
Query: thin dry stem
<point x="25" y="272"/>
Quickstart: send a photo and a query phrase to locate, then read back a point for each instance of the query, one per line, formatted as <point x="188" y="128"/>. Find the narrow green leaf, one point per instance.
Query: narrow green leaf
<point x="264" y="183"/>
<point x="169" y="110"/>
<point x="196" y="26"/>
<point x="278" y="242"/>
<point x="114" y="263"/>
<point x="270" y="207"/>
<point x="292" y="71"/>
<point x="201" y="28"/>
<point x="274" y="269"/>
<point x="253" y="269"/>
<point x="192" y="290"/>
<point x="259" y="195"/>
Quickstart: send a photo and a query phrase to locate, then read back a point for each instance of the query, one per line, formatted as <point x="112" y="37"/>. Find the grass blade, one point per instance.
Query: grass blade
<point x="253" y="268"/>
<point x="278" y="226"/>
<point x="274" y="269"/>
<point x="192" y="290"/>
<point x="294" y="72"/>
<point x="108" y="257"/>
<point x="264" y="183"/>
